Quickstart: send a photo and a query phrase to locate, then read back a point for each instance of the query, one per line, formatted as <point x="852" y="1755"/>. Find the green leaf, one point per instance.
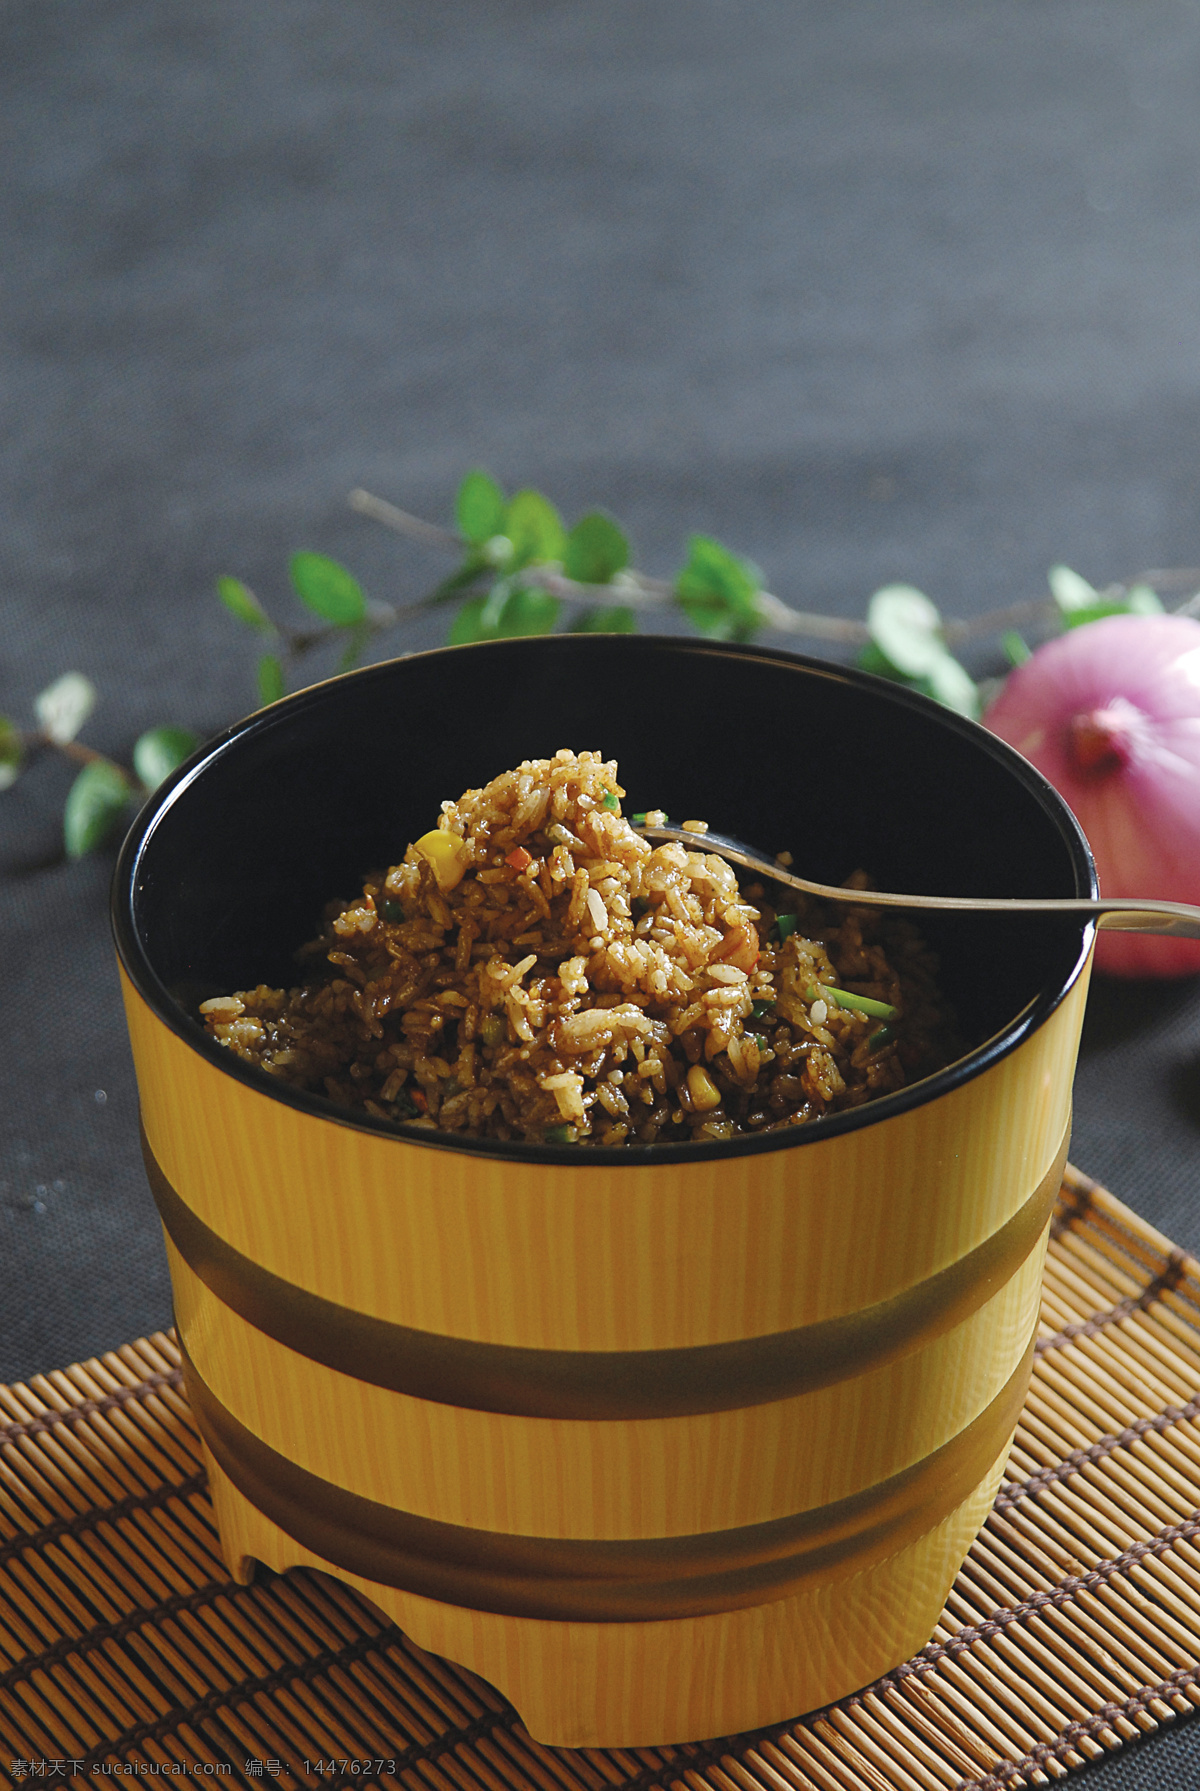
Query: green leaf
<point x="10" y="752"/>
<point x="1016" y="648"/>
<point x="1070" y="591"/>
<point x="157" y="753"/>
<point x="906" y="628"/>
<point x="718" y="591"/>
<point x="950" y="683"/>
<point x="479" y="508"/>
<point x="467" y="625"/>
<point x="595" y="550"/>
<point x="64" y="706"/>
<point x="535" y="529"/>
<point x="241" y="602"/>
<point x="528" y="611"/>
<point x="944" y="679"/>
<point x="617" y="618"/>
<point x="95" y="803"/>
<point x="1092" y="612"/>
<point x="871" y="659"/>
<point x="523" y="611"/>
<point x="1080" y="603"/>
<point x="270" y="680"/>
<point x="1139" y="600"/>
<point x="327" y="589"/>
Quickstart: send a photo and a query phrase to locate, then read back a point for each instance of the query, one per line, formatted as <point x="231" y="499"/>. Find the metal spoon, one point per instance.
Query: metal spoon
<point x="1125" y="914"/>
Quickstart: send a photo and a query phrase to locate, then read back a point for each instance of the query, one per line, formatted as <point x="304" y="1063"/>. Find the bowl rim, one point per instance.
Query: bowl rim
<point x="135" y="959"/>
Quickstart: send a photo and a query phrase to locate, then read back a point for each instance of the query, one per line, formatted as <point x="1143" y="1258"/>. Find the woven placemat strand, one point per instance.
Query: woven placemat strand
<point x="1073" y="1628"/>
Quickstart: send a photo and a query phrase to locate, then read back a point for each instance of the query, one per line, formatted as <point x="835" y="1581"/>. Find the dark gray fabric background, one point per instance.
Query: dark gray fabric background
<point x="870" y="291"/>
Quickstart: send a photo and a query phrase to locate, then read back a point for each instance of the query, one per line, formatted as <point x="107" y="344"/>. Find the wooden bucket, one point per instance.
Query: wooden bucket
<point x="661" y="1452"/>
<point x="665" y="1446"/>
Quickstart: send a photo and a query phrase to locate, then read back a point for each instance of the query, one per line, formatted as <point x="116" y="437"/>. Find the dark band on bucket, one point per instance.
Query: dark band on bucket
<point x="602" y="1384"/>
<point x="606" y="1582"/>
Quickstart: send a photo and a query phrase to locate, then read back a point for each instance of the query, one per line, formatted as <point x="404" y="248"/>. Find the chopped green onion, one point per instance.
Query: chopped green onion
<point x="760" y="1009"/>
<point x="393" y="912"/>
<point x="493" y="1029"/>
<point x="640" y="820"/>
<point x="611" y="803"/>
<point x="883" y="1035"/>
<point x="861" y="1004"/>
<point x="786" y="924"/>
<point x="559" y="1135"/>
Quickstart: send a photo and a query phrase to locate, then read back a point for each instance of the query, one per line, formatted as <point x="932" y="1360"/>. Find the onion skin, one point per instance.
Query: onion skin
<point x="1110" y="714"/>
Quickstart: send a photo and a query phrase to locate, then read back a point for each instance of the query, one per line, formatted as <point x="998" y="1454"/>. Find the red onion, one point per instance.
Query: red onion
<point x="1110" y="713"/>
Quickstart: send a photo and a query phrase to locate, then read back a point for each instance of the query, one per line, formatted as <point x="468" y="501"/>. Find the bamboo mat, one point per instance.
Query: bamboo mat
<point x="1073" y="1628"/>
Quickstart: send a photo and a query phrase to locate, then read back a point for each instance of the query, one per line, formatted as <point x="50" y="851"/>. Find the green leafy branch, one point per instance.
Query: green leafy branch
<point x="329" y="591"/>
<point x="104" y="792"/>
<point x="521" y="571"/>
<point x="520" y="544"/>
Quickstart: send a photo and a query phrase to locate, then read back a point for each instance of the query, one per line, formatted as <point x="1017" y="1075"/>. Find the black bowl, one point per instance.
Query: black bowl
<point x="228" y="867"/>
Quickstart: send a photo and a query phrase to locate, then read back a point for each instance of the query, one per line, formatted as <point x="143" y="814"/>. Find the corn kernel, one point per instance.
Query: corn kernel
<point x="703" y="1090"/>
<point x="446" y="855"/>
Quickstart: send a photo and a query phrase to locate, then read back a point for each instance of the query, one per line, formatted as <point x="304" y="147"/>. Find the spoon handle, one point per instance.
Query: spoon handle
<point x="1128" y="914"/>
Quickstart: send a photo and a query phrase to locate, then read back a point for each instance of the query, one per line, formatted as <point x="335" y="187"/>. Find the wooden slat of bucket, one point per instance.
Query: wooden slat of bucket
<point x="1074" y="1627"/>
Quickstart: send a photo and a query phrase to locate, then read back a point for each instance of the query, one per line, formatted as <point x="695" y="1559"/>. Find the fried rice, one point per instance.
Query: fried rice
<point x="535" y="970"/>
